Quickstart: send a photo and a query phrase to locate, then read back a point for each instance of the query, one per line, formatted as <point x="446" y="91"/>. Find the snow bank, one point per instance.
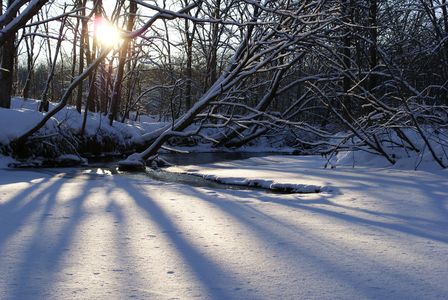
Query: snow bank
<point x="262" y="183"/>
<point x="15" y="122"/>
<point x="61" y="134"/>
<point x="6" y="160"/>
<point x="260" y="172"/>
<point x="405" y="157"/>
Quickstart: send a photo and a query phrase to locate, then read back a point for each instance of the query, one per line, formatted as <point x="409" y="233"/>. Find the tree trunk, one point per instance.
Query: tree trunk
<point x="116" y="94"/>
<point x="346" y="52"/>
<point x="213" y="51"/>
<point x="90" y="102"/>
<point x="44" y="104"/>
<point x="445" y="23"/>
<point x="29" y="43"/>
<point x="1" y="13"/>
<point x="7" y="69"/>
<point x="188" y="70"/>
<point x="82" y="41"/>
<point x="74" y="53"/>
<point x="373" y="51"/>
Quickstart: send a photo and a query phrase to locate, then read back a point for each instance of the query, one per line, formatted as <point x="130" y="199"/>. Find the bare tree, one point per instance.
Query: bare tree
<point x="124" y="50"/>
<point x="371" y="75"/>
<point x="44" y="104"/>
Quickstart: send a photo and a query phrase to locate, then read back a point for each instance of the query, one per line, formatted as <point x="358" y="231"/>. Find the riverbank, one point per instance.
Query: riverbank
<point x="379" y="233"/>
<point x="63" y="142"/>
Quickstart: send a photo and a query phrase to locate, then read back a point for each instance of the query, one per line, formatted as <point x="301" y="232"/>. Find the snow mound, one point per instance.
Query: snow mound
<point x="5" y="161"/>
<point x="15" y="122"/>
<point x="133" y="162"/>
<point x="274" y="173"/>
<point x="61" y="135"/>
<point x="263" y="183"/>
<point x="404" y="154"/>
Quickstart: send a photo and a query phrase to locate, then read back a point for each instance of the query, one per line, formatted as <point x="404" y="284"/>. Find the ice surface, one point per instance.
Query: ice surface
<point x="380" y="233"/>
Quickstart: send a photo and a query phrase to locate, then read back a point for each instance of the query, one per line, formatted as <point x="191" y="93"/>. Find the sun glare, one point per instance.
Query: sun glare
<point x="106" y="33"/>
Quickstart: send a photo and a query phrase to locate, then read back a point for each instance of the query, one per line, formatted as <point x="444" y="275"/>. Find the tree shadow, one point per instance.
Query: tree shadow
<point x="44" y="249"/>
<point x="49" y="240"/>
<point x="18" y="210"/>
<point x="365" y="180"/>
<point x="210" y="275"/>
<point x="243" y="213"/>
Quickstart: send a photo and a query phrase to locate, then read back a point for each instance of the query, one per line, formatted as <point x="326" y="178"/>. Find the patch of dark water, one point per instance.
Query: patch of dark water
<point x="96" y="170"/>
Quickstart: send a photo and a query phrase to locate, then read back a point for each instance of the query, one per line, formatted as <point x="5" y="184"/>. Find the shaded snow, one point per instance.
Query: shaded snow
<point x="5" y="161"/>
<point x="405" y="157"/>
<point x="380" y="233"/>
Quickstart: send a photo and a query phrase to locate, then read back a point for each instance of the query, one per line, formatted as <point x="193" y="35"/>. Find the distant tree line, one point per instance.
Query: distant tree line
<point x="368" y="68"/>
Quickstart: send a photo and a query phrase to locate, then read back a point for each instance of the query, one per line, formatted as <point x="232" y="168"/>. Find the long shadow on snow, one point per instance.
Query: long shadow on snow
<point x="16" y="212"/>
<point x="410" y="229"/>
<point x="121" y="231"/>
<point x="241" y="213"/>
<point x="369" y="182"/>
<point x="437" y="192"/>
<point x="205" y="270"/>
<point x="37" y="270"/>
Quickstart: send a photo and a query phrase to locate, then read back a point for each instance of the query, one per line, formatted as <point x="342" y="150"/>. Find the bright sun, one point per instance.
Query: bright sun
<point x="106" y="33"/>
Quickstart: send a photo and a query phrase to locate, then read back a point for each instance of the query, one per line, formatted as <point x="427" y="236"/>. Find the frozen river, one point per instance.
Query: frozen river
<point x="374" y="234"/>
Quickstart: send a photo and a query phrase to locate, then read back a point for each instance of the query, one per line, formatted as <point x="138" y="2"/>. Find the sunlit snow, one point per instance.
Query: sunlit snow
<point x="379" y="233"/>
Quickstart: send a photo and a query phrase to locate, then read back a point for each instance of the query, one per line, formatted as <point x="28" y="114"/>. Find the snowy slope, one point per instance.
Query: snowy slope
<point x="380" y="233"/>
<point x="60" y="138"/>
<point x="23" y="115"/>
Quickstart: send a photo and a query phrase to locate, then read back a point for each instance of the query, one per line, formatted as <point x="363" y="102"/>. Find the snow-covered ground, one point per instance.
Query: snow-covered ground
<point x="271" y="173"/>
<point x="378" y="233"/>
<point x="24" y="115"/>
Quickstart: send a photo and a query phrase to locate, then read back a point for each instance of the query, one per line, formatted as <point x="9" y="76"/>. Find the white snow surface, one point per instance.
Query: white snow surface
<point x="405" y="159"/>
<point x="23" y="116"/>
<point x="273" y="172"/>
<point x="380" y="233"/>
